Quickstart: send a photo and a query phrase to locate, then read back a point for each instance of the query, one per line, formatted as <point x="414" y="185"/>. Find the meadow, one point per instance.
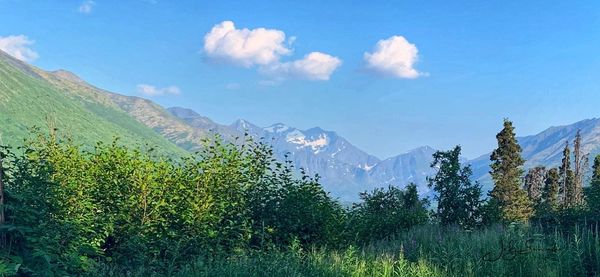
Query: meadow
<point x="427" y="250"/>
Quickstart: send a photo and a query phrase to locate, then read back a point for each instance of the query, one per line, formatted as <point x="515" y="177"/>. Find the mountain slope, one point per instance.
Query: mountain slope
<point x="32" y="97"/>
<point x="413" y="166"/>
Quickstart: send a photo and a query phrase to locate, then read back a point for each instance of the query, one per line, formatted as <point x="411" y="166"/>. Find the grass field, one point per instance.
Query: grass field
<point x="424" y="251"/>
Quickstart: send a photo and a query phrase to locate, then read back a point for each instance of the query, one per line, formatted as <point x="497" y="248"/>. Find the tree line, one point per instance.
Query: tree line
<point x="540" y="195"/>
<point x="66" y="208"/>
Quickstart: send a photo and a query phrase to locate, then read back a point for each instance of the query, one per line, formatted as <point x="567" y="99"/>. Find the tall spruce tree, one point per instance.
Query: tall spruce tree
<point x="459" y="199"/>
<point x="511" y="200"/>
<point x="567" y="193"/>
<point x="580" y="164"/>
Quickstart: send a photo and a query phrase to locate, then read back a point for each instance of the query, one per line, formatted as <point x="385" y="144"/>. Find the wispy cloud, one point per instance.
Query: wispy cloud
<point x="394" y="57"/>
<point x="264" y="48"/>
<point x="18" y="47"/>
<point x="86" y="6"/>
<point x="150" y="90"/>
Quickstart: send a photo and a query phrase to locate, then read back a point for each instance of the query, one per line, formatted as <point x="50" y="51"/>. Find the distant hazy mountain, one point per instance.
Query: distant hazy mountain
<point x="410" y="167"/>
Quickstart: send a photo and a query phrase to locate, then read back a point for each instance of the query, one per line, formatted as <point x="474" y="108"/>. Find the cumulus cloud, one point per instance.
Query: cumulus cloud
<point x="150" y="90"/>
<point x="264" y="49"/>
<point x="86" y="6"/>
<point x="245" y="47"/>
<point x="394" y="57"/>
<point x="314" y="66"/>
<point x="18" y="47"/>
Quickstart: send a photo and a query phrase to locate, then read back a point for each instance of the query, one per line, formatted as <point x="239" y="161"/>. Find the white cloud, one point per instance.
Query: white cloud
<point x="264" y="48"/>
<point x="18" y="47"/>
<point x="394" y="57"/>
<point x="245" y="47"/>
<point x="150" y="90"/>
<point x="86" y="6"/>
<point x="314" y="66"/>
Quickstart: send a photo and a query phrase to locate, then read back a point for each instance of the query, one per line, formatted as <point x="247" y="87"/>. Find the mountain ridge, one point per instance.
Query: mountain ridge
<point x="31" y="96"/>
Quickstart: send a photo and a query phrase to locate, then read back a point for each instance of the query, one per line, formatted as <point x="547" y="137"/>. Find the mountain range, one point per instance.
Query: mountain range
<point x="30" y="96"/>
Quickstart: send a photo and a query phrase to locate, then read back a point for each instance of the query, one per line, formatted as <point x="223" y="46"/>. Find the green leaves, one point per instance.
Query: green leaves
<point x="384" y="213"/>
<point x="458" y="198"/>
<point x="70" y="206"/>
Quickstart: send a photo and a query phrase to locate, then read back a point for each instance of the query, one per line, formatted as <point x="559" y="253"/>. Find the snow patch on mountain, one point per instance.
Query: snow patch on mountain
<point x="366" y="167"/>
<point x="298" y="138"/>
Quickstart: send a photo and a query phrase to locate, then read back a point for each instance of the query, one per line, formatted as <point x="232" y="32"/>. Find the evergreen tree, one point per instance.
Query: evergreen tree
<point x="458" y="198"/>
<point x="511" y="200"/>
<point x="593" y="196"/>
<point x="551" y="188"/>
<point x="567" y="179"/>
<point x="580" y="165"/>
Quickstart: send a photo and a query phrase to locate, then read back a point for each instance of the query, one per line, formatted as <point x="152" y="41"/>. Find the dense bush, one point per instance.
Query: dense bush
<point x="69" y="208"/>
<point x="383" y="213"/>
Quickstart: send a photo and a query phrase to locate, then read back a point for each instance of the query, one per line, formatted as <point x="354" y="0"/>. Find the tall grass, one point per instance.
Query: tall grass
<point x="424" y="251"/>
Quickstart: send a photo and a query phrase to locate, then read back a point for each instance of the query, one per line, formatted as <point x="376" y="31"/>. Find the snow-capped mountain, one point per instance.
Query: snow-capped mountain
<point x="345" y="170"/>
<point x="342" y="166"/>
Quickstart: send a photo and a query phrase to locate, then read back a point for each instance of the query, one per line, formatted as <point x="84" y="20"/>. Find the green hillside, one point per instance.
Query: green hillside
<point x="33" y="97"/>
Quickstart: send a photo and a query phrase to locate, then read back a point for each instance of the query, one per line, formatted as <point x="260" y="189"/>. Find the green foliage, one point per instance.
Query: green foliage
<point x="69" y="207"/>
<point x="567" y="179"/>
<point x="549" y="198"/>
<point x="428" y="250"/>
<point x="383" y="213"/>
<point x="231" y="209"/>
<point x="458" y="198"/>
<point x="580" y="165"/>
<point x="283" y="208"/>
<point x="593" y="196"/>
<point x="508" y="198"/>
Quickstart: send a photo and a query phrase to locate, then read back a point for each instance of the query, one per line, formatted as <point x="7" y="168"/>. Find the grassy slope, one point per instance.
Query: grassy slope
<point x="31" y="97"/>
<point x="161" y="121"/>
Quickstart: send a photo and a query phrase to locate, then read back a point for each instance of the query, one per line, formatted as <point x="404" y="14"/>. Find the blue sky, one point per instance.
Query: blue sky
<point x="537" y="63"/>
